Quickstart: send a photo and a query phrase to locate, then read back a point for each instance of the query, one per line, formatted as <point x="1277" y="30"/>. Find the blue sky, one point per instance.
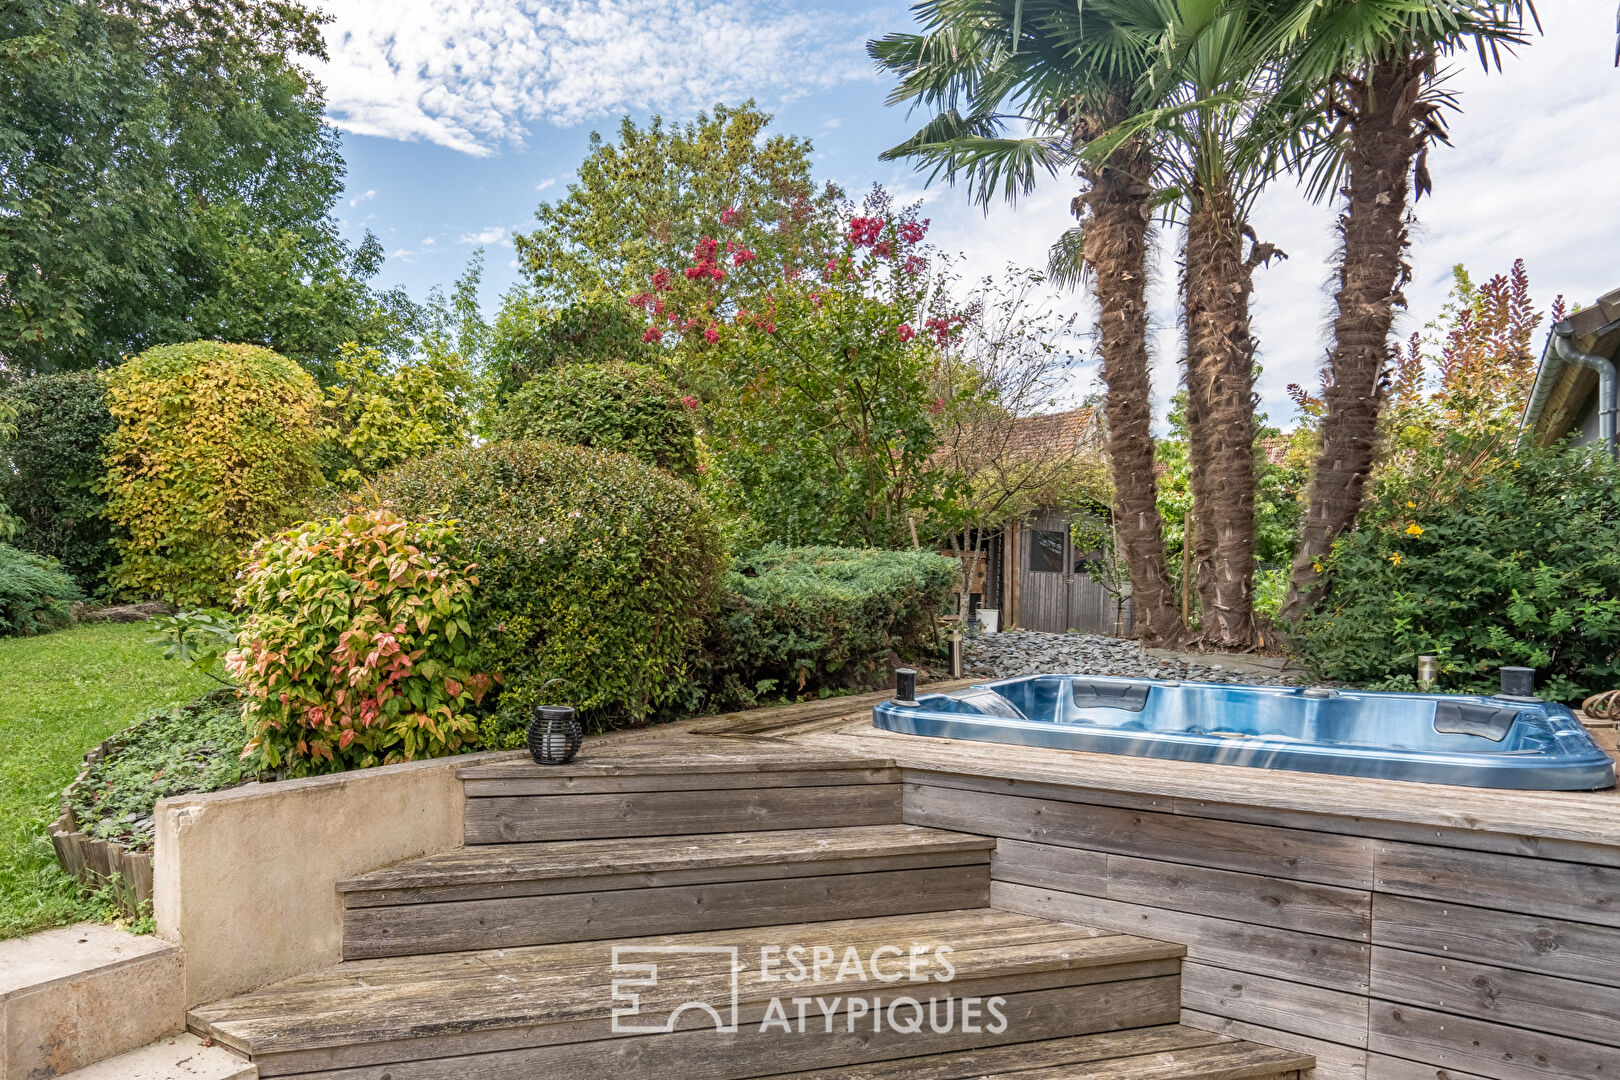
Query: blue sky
<point x="459" y="116"/>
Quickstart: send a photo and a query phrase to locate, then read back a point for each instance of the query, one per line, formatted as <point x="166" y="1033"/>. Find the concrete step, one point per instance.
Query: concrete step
<point x="1171" y="1052"/>
<point x="179" y="1057"/>
<point x="710" y="1006"/>
<point x="505" y="895"/>
<point x="75" y="996"/>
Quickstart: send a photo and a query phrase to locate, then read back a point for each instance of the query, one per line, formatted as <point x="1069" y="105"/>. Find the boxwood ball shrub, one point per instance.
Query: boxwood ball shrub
<point x="619" y="407"/>
<point x="796" y="620"/>
<point x="53" y="485"/>
<point x="1519" y="567"/>
<point x="215" y="447"/>
<point x="596" y="571"/>
<point x="36" y="594"/>
<point x="358" y="648"/>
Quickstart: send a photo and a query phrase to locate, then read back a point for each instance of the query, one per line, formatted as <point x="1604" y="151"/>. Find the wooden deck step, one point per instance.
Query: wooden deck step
<point x="505" y="895"/>
<point x="512" y="1014"/>
<point x="1171" y="1052"/>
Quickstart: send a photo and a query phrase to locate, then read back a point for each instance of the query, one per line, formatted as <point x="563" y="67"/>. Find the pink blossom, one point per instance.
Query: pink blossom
<point x="882" y="248"/>
<point x="640" y="299"/>
<point x="653" y="333"/>
<point x="711" y="333"/>
<point x="937" y="405"/>
<point x="915" y="264"/>
<point x="706" y="249"/>
<point x="730" y="216"/>
<point x="743" y="256"/>
<point x="864" y="231"/>
<point x="660" y="279"/>
<point x="690" y="402"/>
<point x="912" y="233"/>
<point x="906" y="332"/>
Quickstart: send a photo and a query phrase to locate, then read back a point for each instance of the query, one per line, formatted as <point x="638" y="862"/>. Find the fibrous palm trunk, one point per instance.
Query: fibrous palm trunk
<point x="1217" y="282"/>
<point x="1388" y="129"/>
<point x="1117" y="205"/>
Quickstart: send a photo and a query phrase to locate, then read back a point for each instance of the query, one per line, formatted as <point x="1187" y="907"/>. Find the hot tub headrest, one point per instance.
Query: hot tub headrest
<point x="1469" y="718"/>
<point x="1132" y="696"/>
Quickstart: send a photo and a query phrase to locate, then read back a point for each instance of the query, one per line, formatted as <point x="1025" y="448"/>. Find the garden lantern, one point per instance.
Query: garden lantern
<point x="554" y="734"/>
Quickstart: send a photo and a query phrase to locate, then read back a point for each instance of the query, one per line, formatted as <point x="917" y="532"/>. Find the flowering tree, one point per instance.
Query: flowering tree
<point x="816" y="387"/>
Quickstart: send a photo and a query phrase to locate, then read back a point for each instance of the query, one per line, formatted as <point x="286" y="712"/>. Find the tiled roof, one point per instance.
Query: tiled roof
<point x="1034" y="434"/>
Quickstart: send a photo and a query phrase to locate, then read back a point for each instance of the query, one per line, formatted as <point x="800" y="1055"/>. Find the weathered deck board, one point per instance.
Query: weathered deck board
<point x="1502" y="996"/>
<point x="1270" y="852"/>
<point x="1265" y="901"/>
<point x="1332" y="963"/>
<point x="1274" y="1003"/>
<point x="1488" y="1049"/>
<point x="460" y="925"/>
<point x="1575" y="891"/>
<point x="670" y="813"/>
<point x="1040" y="1014"/>
<point x="1526" y="942"/>
<point x="1334" y="1061"/>
<point x="586" y="863"/>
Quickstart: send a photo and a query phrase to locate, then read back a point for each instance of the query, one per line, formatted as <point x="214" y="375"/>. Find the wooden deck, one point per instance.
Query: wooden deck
<point x="1396" y="931"/>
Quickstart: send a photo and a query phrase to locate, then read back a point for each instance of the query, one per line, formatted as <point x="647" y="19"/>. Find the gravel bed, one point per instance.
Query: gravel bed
<point x="1025" y="652"/>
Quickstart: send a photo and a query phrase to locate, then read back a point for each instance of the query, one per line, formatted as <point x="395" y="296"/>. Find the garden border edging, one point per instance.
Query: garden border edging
<point x="245" y="878"/>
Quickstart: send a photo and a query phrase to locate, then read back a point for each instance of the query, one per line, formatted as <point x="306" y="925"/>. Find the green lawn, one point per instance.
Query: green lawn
<point x="61" y="694"/>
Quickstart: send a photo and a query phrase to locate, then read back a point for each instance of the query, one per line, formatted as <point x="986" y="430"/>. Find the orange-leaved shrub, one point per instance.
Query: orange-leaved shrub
<point x="356" y="647"/>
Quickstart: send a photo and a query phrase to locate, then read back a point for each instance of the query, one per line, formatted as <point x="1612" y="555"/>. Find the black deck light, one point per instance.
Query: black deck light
<point x="1518" y="683"/>
<point x="554" y="734"/>
<point x="905" y="686"/>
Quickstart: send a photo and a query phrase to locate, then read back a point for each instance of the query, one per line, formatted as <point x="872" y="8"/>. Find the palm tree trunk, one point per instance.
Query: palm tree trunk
<point x="1118" y="204"/>
<point x="1220" y="413"/>
<point x="1385" y="137"/>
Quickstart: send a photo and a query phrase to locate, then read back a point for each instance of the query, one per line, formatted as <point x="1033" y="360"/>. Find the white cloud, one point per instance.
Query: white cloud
<point x="547" y="182"/>
<point x="472" y="74"/>
<point x="371" y="193"/>
<point x="495" y="234"/>
<point x="428" y="241"/>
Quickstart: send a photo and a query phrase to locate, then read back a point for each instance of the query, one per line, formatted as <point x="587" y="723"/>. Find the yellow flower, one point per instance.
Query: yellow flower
<point x="1317" y="567"/>
<point x="1414" y="529"/>
<point x="1410" y="505"/>
<point x="1396" y="558"/>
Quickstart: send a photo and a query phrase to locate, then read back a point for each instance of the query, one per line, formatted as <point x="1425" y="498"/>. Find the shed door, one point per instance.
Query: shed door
<point x="1055" y="593"/>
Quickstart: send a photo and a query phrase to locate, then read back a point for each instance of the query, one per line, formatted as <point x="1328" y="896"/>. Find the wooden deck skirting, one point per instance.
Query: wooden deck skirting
<point x="1396" y="931"/>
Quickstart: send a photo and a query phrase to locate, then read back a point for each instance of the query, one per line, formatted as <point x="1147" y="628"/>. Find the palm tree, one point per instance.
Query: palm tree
<point x="1064" y="73"/>
<point x="1209" y="101"/>
<point x="1371" y="70"/>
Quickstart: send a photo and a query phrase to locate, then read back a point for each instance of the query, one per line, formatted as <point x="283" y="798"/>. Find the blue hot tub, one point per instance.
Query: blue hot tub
<point x="1488" y="742"/>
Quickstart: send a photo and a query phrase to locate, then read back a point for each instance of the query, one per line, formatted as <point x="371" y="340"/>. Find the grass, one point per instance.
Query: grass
<point x="61" y="694"/>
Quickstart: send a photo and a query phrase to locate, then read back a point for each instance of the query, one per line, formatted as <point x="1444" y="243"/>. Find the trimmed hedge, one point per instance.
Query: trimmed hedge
<point x="54" y="483"/>
<point x="36" y="595"/>
<point x="215" y="447"/>
<point x="804" y="620"/>
<point x="596" y="573"/>
<point x="621" y="408"/>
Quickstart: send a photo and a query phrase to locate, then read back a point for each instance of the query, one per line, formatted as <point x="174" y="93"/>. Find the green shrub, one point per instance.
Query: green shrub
<point x="798" y="620"/>
<point x="54" y="483"/>
<point x="596" y="571"/>
<point x="621" y="408"/>
<point x="35" y="594"/>
<point x="191" y="748"/>
<point x="1519" y="566"/>
<point x="530" y="337"/>
<point x="215" y="447"/>
<point x="357" y="645"/>
<point x="384" y="412"/>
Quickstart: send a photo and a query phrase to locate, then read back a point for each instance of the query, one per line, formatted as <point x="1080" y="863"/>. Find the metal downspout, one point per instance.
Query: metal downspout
<point x="1563" y="344"/>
